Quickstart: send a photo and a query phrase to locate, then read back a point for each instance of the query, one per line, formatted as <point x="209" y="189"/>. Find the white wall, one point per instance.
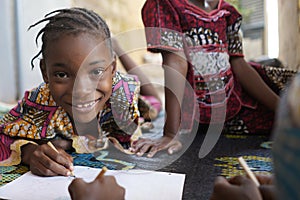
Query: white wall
<point x="272" y="28"/>
<point x="7" y="64"/>
<point x="17" y="45"/>
<point x="29" y="12"/>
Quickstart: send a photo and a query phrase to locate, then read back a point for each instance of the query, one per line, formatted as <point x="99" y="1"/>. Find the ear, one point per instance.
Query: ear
<point x="43" y="70"/>
<point x="114" y="66"/>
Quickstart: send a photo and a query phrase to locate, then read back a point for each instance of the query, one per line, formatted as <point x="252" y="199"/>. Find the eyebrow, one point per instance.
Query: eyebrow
<point x="91" y="63"/>
<point x="97" y="62"/>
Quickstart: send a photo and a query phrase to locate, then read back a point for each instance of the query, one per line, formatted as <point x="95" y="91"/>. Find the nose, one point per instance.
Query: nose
<point x="82" y="87"/>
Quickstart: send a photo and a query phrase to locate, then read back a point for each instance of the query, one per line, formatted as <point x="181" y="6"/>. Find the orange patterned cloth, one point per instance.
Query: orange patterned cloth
<point x="38" y="117"/>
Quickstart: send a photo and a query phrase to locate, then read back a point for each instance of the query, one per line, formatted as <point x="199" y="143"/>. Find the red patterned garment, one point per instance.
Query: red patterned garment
<point x="208" y="41"/>
<point x="38" y="117"/>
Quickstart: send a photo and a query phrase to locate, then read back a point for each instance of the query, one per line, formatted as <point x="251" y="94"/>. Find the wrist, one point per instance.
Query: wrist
<point x="26" y="152"/>
<point x="169" y="133"/>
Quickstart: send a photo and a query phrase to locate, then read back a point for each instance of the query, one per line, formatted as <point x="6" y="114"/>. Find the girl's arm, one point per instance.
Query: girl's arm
<point x="253" y="83"/>
<point x="175" y="68"/>
<point x="131" y="67"/>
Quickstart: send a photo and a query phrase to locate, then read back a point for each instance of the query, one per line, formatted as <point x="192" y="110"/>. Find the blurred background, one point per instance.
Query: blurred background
<point x="271" y="29"/>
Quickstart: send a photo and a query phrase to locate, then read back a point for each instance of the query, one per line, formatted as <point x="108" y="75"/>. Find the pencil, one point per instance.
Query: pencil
<point x="248" y="171"/>
<point x="101" y="174"/>
<point x="53" y="147"/>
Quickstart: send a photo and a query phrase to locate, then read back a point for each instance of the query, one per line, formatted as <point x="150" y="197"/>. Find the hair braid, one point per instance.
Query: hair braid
<point x="70" y="21"/>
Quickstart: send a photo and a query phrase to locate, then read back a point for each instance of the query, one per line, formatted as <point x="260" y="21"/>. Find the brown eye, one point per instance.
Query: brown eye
<point x="97" y="72"/>
<point x="61" y="75"/>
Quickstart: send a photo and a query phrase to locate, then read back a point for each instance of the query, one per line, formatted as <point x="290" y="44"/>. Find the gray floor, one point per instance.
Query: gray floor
<point x="200" y="173"/>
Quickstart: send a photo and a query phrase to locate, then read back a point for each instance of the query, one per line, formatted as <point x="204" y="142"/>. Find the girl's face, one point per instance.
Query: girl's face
<point x="79" y="70"/>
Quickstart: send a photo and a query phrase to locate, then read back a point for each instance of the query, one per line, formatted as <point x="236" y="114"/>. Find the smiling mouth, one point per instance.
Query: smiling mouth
<point x="85" y="107"/>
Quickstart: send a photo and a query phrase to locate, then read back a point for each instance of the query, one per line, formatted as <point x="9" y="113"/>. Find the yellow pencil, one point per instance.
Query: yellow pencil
<point x="53" y="147"/>
<point x="248" y="171"/>
<point x="101" y="174"/>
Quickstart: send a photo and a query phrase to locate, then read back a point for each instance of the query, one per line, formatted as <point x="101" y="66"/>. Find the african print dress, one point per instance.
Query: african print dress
<point x="37" y="117"/>
<point x="208" y="41"/>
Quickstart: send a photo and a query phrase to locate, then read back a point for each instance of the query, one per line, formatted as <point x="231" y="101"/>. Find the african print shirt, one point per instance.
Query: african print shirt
<point x="208" y="39"/>
<point x="38" y="117"/>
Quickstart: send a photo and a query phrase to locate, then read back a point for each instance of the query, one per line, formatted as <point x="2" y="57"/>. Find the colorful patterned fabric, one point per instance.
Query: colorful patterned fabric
<point x="230" y="166"/>
<point x="208" y="41"/>
<point x="10" y="173"/>
<point x="37" y="117"/>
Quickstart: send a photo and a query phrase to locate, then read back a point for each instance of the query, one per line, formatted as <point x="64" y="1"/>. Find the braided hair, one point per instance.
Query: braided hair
<point x="70" y="21"/>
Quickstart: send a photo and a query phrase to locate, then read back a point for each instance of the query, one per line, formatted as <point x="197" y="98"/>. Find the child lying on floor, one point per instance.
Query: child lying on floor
<point x="82" y="102"/>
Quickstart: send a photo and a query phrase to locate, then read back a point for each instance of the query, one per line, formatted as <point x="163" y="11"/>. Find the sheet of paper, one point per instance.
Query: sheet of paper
<point x="139" y="184"/>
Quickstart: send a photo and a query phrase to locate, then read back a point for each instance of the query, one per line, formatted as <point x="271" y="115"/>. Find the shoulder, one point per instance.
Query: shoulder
<point x="122" y="81"/>
<point x="40" y="95"/>
<point x="125" y="88"/>
<point x="227" y="6"/>
<point x="161" y="7"/>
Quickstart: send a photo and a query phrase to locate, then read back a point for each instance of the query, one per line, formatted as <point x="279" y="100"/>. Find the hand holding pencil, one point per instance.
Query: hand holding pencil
<point x="102" y="188"/>
<point x="243" y="187"/>
<point x="44" y="160"/>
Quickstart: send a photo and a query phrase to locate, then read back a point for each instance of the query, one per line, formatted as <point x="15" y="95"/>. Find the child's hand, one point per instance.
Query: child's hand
<point x="267" y="187"/>
<point x="62" y="143"/>
<point x="144" y="145"/>
<point x="104" y="188"/>
<point x="45" y="161"/>
<point x="240" y="187"/>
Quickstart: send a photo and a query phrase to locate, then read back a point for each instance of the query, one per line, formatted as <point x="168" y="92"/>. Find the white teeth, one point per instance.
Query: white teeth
<point x="85" y="105"/>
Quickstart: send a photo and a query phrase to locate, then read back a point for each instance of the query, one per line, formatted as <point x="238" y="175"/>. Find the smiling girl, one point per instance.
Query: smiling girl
<point x="82" y="103"/>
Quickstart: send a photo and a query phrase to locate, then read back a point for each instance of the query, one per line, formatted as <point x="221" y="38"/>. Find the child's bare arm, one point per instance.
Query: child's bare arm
<point x="253" y="83"/>
<point x="175" y="67"/>
<point x="131" y="67"/>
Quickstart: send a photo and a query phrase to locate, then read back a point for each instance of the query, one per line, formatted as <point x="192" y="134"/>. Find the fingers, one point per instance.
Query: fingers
<point x="143" y="146"/>
<point x="223" y="190"/>
<point x="177" y="146"/>
<point x="102" y="188"/>
<point x="118" y="191"/>
<point x="241" y="180"/>
<point x="77" y="188"/>
<point x="238" y="187"/>
<point x="39" y="169"/>
<point x="220" y="180"/>
<point x="153" y="151"/>
<point x="265" y="179"/>
<point x="67" y="157"/>
<point x="268" y="192"/>
<point x="46" y="161"/>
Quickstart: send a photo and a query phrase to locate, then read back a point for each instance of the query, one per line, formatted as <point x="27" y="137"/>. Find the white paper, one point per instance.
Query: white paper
<point x="139" y="184"/>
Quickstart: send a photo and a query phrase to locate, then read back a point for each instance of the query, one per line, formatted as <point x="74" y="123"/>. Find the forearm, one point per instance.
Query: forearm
<point x="175" y="68"/>
<point x="254" y="84"/>
<point x="131" y="67"/>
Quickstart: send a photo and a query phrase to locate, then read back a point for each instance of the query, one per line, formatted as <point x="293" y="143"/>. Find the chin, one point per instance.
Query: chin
<point x="84" y="118"/>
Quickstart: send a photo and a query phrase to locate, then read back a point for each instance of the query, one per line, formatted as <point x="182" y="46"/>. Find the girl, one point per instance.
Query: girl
<point x="83" y="99"/>
<point x="199" y="40"/>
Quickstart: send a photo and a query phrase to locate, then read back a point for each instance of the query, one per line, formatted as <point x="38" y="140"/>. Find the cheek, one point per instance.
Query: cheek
<point x="105" y="86"/>
<point x="58" y="91"/>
